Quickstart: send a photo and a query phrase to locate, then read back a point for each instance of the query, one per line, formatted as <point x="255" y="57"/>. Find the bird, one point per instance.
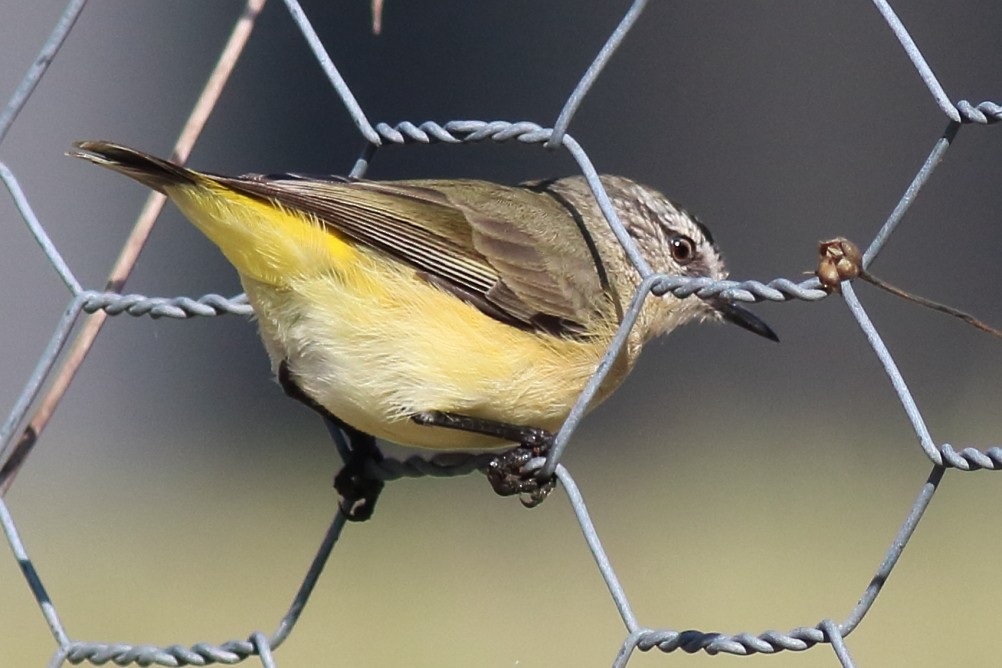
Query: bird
<point x="438" y="313"/>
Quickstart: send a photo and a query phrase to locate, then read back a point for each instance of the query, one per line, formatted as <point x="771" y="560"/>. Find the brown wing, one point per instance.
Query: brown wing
<point x="516" y="253"/>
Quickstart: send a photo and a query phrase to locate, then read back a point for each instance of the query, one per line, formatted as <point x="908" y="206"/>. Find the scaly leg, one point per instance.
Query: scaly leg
<point x="505" y="471"/>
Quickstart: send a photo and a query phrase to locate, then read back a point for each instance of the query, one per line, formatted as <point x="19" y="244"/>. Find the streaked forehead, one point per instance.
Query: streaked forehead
<point x="699" y="225"/>
<point x="673" y="216"/>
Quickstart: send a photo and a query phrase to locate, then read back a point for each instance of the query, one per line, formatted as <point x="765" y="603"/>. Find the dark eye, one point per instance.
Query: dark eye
<point x="683" y="249"/>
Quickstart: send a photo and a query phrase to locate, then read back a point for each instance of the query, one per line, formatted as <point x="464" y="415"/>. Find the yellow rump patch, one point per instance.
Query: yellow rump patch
<point x="264" y="241"/>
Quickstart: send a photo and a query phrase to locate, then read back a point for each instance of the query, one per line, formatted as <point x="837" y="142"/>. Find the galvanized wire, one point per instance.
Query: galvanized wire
<point x="637" y="636"/>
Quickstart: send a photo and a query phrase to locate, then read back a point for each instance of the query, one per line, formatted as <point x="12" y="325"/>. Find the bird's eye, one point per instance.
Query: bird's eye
<point x="683" y="249"/>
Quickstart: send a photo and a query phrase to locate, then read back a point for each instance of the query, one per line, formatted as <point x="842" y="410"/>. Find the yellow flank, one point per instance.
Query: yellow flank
<point x="263" y="241"/>
<point x="374" y="344"/>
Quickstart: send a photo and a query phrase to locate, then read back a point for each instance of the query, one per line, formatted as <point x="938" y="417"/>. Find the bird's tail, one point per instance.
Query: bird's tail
<point x="263" y="240"/>
<point x="143" y="167"/>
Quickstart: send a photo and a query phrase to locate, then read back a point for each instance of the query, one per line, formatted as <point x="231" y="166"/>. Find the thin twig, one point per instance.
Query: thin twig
<point x="928" y="303"/>
<point x="132" y="247"/>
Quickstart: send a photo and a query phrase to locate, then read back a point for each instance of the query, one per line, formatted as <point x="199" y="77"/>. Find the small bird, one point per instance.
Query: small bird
<point x="431" y="312"/>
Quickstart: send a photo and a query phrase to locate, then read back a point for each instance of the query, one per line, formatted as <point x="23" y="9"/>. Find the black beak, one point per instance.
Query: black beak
<point x="742" y="317"/>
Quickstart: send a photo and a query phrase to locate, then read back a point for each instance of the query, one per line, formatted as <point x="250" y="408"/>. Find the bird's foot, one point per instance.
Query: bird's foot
<point x="357" y="490"/>
<point x="508" y="476"/>
<point x="506" y="472"/>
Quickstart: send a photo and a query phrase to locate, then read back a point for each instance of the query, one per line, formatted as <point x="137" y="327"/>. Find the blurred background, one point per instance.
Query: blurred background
<point x="177" y="496"/>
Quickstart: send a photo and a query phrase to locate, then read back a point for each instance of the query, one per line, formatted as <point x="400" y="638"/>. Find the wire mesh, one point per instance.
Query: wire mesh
<point x="70" y="342"/>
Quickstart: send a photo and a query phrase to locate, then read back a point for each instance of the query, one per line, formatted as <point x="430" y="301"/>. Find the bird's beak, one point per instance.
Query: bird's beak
<point x="742" y="317"/>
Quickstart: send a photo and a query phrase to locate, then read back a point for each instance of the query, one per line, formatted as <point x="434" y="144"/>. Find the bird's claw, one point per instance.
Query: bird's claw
<point x="508" y="475"/>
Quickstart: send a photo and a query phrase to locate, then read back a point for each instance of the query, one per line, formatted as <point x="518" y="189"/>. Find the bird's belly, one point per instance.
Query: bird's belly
<point x="374" y="355"/>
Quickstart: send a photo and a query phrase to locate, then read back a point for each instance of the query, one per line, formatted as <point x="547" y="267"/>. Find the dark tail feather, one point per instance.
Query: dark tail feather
<point x="147" y="169"/>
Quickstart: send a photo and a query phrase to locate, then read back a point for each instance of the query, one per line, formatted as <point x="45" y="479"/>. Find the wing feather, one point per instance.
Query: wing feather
<point x="517" y="253"/>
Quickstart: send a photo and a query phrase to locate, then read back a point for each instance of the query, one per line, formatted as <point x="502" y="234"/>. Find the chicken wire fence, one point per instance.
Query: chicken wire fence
<point x="70" y="343"/>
